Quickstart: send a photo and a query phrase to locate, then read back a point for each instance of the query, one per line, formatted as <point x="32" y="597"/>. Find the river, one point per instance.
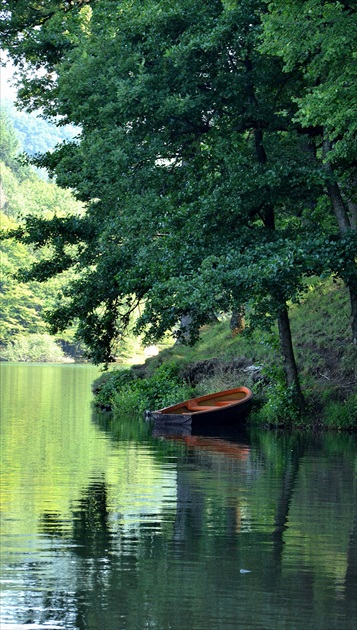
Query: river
<point x="110" y="525"/>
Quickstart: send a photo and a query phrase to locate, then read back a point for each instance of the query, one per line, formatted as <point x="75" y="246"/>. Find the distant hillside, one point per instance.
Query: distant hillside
<point x="23" y="332"/>
<point x="35" y="134"/>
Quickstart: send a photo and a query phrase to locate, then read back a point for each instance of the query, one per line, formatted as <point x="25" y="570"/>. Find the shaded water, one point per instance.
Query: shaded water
<point x="112" y="526"/>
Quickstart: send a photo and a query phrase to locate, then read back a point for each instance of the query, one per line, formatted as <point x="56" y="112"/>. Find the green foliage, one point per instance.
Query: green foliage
<point x="221" y="379"/>
<point x="10" y="147"/>
<point x="20" y="304"/>
<point x="11" y="198"/>
<point x="108" y="384"/>
<point x="326" y="361"/>
<point x="23" y="305"/>
<point x="342" y="416"/>
<point x="125" y="393"/>
<point x="204" y="186"/>
<point x="9" y="144"/>
<point x="35" y="347"/>
<point x="163" y="388"/>
<point x="181" y="183"/>
<point x="318" y="36"/>
<point x="279" y="408"/>
<point x="128" y="401"/>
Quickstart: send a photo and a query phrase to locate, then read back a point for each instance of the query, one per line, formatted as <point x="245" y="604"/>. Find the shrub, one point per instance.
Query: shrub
<point x="107" y="386"/>
<point x="279" y="407"/>
<point x="342" y="416"/>
<point x="39" y="348"/>
<point x="163" y="388"/>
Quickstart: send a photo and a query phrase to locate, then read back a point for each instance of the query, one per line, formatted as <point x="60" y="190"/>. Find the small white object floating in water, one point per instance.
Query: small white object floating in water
<point x="244" y="571"/>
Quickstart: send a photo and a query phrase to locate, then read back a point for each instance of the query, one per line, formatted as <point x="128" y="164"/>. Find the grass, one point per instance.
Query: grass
<point x="327" y="363"/>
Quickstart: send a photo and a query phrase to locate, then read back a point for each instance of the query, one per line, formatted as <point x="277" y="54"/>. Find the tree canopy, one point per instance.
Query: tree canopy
<point x="203" y="183"/>
<point x="319" y="37"/>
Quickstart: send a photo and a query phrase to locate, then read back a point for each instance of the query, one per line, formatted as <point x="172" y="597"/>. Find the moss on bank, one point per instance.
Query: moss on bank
<point x="326" y="359"/>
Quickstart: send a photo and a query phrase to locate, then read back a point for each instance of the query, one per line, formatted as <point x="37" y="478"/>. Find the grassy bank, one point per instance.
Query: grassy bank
<point x="326" y="359"/>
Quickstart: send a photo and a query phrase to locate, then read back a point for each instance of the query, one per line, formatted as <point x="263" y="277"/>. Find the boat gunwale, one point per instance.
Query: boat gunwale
<point x="205" y="397"/>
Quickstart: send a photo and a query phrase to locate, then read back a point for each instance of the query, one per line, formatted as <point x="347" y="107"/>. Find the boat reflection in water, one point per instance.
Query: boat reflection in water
<point x="216" y="440"/>
<point x="213" y="455"/>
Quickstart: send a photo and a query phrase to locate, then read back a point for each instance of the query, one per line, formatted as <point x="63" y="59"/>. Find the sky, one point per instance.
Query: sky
<point x="6" y="73"/>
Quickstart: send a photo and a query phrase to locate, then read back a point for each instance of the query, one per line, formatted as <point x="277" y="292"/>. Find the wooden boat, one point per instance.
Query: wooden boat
<point x="227" y="405"/>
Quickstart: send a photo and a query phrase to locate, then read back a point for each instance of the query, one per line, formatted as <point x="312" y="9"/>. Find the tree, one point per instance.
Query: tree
<point x="20" y="307"/>
<point x="10" y="147"/>
<point x="196" y="179"/>
<point x="23" y="193"/>
<point x="318" y="38"/>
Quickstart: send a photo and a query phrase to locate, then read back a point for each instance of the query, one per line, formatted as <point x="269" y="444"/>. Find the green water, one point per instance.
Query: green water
<point x="111" y="525"/>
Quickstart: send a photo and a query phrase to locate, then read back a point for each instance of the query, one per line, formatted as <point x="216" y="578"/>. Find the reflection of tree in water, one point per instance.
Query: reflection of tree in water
<point x="189" y="508"/>
<point x="90" y="543"/>
<point x="51" y="524"/>
<point x="185" y="570"/>
<point x="91" y="531"/>
<point x="288" y="481"/>
<point x="125" y="428"/>
<point x="194" y="507"/>
<point x="351" y="573"/>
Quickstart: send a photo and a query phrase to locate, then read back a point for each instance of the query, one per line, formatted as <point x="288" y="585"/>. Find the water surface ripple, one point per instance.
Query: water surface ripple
<point x="110" y="525"/>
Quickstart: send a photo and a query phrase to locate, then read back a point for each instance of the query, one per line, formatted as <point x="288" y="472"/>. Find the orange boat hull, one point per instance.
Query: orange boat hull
<point x="224" y="406"/>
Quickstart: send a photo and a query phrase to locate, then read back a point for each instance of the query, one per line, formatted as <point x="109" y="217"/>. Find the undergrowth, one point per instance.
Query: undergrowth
<point x="125" y="393"/>
<point x="327" y="364"/>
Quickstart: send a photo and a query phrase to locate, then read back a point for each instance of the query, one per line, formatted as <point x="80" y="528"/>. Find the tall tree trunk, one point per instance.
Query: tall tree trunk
<point x="334" y="192"/>
<point x="237" y="323"/>
<point x="290" y="368"/>
<point x="286" y="344"/>
<point x="344" y="224"/>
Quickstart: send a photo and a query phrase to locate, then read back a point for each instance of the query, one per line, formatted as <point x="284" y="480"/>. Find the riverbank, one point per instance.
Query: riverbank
<point x="327" y="363"/>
